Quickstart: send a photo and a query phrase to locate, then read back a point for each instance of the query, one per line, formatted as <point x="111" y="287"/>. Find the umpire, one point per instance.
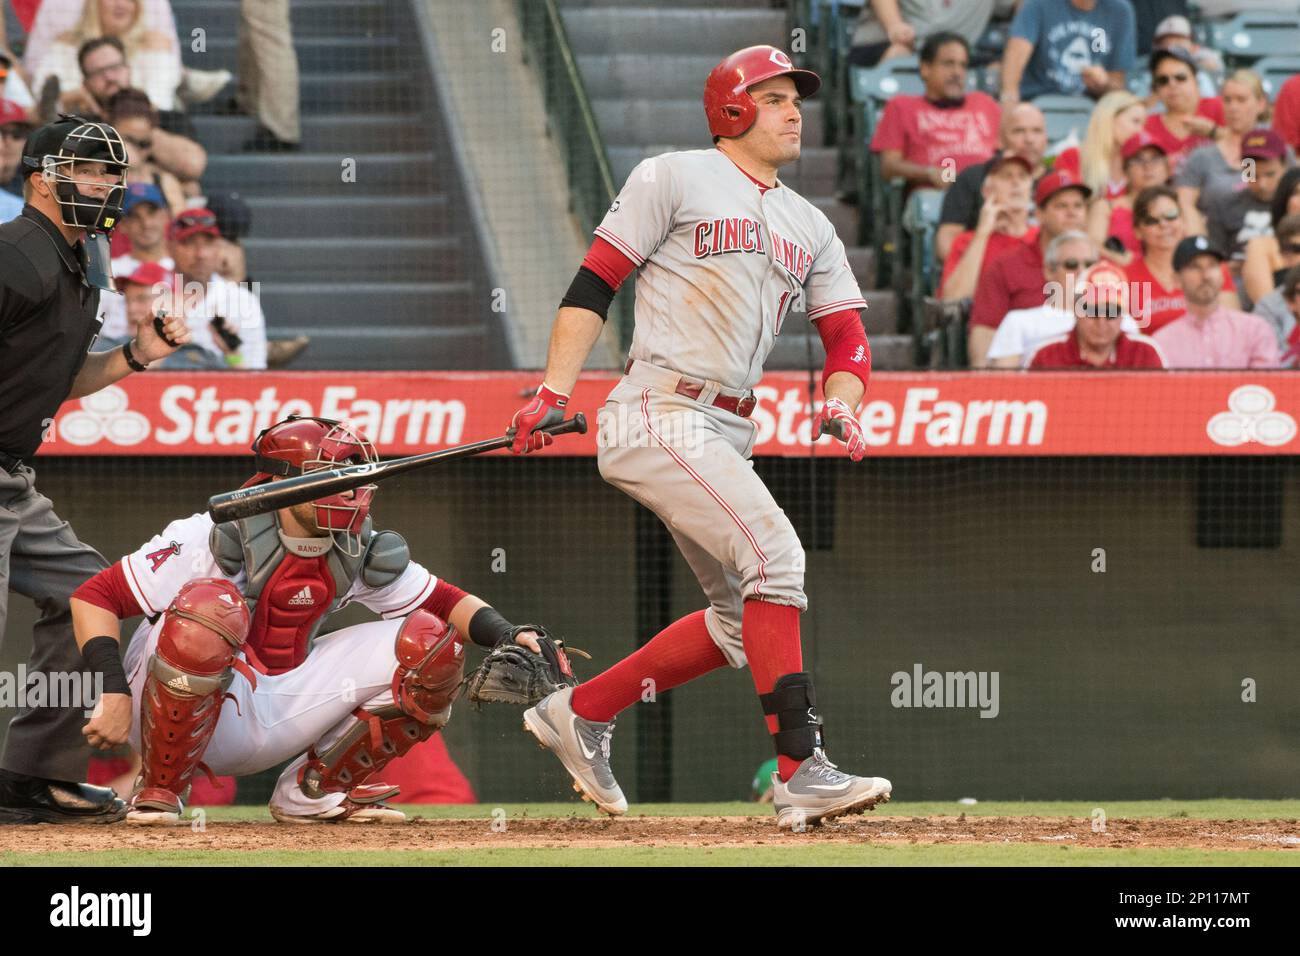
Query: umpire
<point x="74" y="183"/>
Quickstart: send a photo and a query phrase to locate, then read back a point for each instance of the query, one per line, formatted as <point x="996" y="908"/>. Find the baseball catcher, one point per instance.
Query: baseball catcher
<point x="227" y="674"/>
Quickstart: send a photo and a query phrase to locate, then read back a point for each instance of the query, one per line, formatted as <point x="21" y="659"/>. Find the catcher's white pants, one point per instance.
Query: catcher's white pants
<point x="287" y="713"/>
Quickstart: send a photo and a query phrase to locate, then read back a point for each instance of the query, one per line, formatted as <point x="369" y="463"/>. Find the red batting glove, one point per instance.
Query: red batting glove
<point x="836" y="419"/>
<point x="546" y="408"/>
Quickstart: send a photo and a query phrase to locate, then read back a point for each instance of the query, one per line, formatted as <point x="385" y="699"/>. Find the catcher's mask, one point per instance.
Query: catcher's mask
<point x="56" y="148"/>
<point x="300" y="445"/>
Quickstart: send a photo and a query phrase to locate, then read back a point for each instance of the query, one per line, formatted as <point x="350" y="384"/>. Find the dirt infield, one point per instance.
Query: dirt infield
<point x="646" y="831"/>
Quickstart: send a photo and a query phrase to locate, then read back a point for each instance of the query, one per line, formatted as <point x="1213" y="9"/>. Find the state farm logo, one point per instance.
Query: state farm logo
<point x="104" y="415"/>
<point x="1251" y="418"/>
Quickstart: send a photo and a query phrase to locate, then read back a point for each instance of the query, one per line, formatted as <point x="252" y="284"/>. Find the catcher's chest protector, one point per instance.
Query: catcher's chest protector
<point x="290" y="595"/>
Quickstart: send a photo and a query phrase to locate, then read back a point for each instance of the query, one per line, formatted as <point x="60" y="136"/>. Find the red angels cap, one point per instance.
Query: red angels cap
<point x="1138" y="142"/>
<point x="146" y="273"/>
<point x="11" y="113"/>
<point x="1262" y="144"/>
<point x="1055" y="182"/>
<point x="1002" y="159"/>
<point x="1102" y="290"/>
<point x="192" y="222"/>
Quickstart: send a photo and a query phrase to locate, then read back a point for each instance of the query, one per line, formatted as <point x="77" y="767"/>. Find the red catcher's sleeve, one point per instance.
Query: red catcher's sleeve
<point x="608" y="263"/>
<point x="443" y="599"/>
<point x="847" y="349"/>
<point x="108" y="589"/>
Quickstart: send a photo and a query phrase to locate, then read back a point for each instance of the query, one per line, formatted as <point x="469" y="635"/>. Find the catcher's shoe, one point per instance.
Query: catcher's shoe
<point x="818" y="791"/>
<point x="363" y="804"/>
<point x="582" y="746"/>
<point x="154" y="806"/>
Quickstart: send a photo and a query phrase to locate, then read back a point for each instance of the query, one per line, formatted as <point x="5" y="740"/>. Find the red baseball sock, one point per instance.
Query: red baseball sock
<point x="680" y="652"/>
<point x="771" y="636"/>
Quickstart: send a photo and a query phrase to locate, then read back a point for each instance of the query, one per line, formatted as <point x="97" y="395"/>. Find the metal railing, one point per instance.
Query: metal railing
<point x="571" y="121"/>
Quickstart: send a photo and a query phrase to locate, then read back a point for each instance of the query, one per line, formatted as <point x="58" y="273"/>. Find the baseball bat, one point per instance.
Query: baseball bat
<point x="274" y="495"/>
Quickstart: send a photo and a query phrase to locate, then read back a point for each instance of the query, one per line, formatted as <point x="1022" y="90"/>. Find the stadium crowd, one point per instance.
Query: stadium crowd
<point x="179" y="245"/>
<point x="1180" y="189"/>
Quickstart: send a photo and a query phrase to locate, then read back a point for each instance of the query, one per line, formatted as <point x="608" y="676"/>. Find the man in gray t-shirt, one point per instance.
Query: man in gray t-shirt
<point x="888" y="28"/>
<point x="1234" y="218"/>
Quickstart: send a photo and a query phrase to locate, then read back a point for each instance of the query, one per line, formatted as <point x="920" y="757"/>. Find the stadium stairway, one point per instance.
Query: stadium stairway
<point x="384" y="272"/>
<point x="649" y="102"/>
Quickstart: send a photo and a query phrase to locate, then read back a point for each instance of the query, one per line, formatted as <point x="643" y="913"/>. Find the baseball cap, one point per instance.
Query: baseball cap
<point x="1176" y="53"/>
<point x="234" y="218"/>
<point x="1138" y="142"/>
<point x="1262" y="144"/>
<point x="192" y="222"/>
<point x="11" y="114"/>
<point x="1190" y="248"/>
<point x="137" y="193"/>
<point x="1055" y="182"/>
<point x="1102" y="290"/>
<point x="146" y="273"/>
<point x="1175" y="26"/>
<point x="1003" y="159"/>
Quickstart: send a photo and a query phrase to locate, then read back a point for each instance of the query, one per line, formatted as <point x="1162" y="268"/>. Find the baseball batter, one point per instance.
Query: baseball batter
<point x="725" y="252"/>
<point x="226" y="673"/>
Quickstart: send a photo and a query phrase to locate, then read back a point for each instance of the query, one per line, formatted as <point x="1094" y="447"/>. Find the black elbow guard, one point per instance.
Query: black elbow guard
<point x="589" y="291"/>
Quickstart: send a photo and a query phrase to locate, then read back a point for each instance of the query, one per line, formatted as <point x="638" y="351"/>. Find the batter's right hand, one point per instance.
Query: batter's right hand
<point x="110" y="723"/>
<point x="546" y="408"/>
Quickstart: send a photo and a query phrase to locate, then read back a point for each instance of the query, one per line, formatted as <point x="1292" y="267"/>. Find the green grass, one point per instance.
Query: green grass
<point x="789" y="852"/>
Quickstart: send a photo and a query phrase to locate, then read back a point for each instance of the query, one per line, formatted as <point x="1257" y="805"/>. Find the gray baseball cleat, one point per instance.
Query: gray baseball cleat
<point x="582" y="746"/>
<point x="818" y="792"/>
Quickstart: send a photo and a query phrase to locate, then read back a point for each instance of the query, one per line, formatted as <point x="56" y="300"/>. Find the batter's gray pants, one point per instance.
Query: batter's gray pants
<point x="41" y="558"/>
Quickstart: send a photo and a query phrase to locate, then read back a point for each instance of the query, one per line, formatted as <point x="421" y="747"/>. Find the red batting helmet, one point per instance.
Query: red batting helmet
<point x="727" y="104"/>
<point x="299" y="445"/>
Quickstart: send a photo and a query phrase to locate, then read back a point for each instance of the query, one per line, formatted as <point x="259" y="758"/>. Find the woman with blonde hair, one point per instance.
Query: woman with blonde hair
<point x="1217" y="165"/>
<point x="152" y="52"/>
<point x="1117" y="116"/>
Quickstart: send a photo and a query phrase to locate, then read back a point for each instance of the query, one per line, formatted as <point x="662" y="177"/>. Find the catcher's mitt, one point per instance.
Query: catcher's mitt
<point x="513" y="674"/>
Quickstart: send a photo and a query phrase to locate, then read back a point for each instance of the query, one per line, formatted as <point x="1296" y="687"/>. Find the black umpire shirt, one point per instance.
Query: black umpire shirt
<point x="48" y="320"/>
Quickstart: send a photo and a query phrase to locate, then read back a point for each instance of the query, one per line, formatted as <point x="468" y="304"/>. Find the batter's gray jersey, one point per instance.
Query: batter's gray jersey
<point x="722" y="264"/>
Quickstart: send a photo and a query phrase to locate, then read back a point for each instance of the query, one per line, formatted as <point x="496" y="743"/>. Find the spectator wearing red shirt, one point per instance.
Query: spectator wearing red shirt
<point x="1189" y="120"/>
<point x="927" y="140"/>
<point x="1003" y="224"/>
<point x="1286" y="112"/>
<point x="1110" y="221"/>
<point x="1097" y="342"/>
<point x="1015" y="279"/>
<point x="1155" y="296"/>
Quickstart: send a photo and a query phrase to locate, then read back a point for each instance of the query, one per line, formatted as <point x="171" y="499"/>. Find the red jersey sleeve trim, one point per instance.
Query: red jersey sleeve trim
<point x="443" y="600"/>
<point x="620" y="245"/>
<point x="608" y="262"/>
<point x="108" y="589"/>
<point x="136" y="590"/>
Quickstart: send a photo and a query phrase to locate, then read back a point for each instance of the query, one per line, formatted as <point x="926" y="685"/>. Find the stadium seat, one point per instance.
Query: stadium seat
<point x="920" y="222"/>
<point x="1248" y="37"/>
<point x="941" y="333"/>
<point x="1065" y="115"/>
<point x="870" y="90"/>
<point x="1276" y="70"/>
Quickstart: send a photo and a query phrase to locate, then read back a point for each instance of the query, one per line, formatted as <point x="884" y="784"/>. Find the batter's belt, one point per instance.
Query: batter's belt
<point x="737" y="401"/>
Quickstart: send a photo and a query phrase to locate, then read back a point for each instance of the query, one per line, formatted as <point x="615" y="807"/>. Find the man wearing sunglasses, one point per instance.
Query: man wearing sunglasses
<point x="1098" y="339"/>
<point x="1014" y="280"/>
<point x="224" y="317"/>
<point x="1068" y="257"/>
<point x="14" y="129"/>
<point x="1189" y="120"/>
<point x="1210" y="336"/>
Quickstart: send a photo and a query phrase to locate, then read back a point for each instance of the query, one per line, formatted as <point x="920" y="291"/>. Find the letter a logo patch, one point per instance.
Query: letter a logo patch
<point x="156" y="558"/>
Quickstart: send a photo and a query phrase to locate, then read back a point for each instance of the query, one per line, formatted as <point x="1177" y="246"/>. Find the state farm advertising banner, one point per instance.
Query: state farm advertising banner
<point x="905" y="414"/>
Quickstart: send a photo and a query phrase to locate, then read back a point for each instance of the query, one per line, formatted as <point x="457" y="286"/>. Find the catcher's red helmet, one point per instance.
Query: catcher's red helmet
<point x="297" y="445"/>
<point x="729" y="108"/>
